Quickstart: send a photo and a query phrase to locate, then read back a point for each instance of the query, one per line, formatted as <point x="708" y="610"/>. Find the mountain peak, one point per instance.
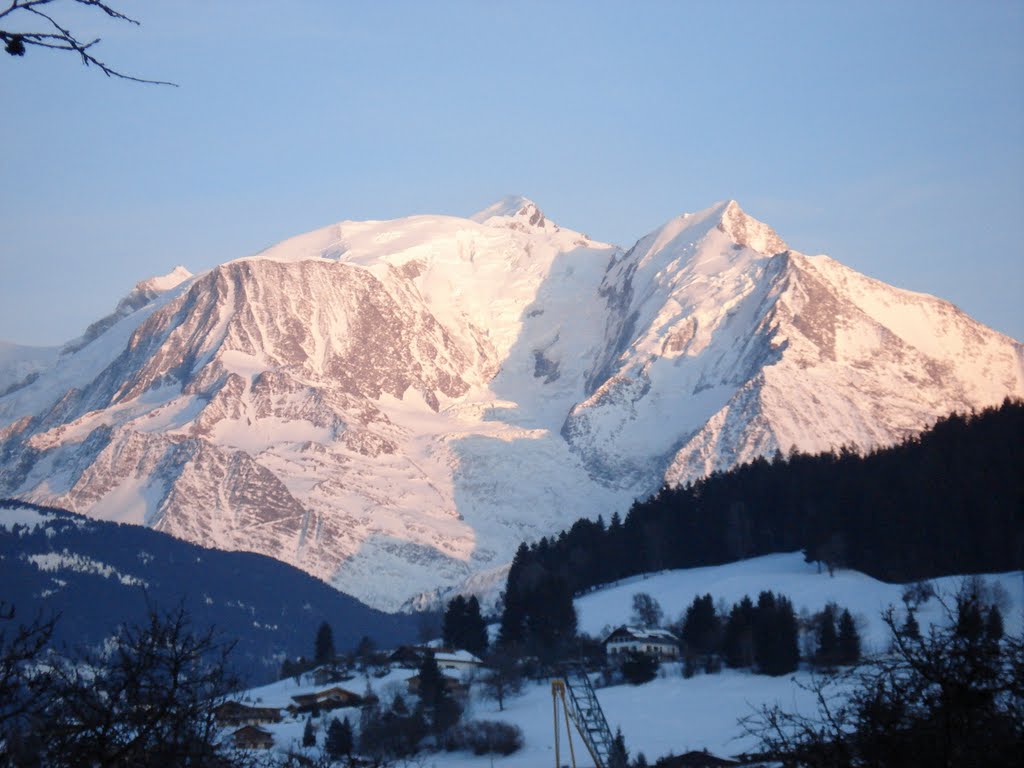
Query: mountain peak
<point x="521" y="210"/>
<point x="745" y="230"/>
<point x="161" y="283"/>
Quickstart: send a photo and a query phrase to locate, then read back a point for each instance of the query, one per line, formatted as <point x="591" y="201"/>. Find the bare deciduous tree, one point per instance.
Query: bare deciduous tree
<point x="28" y="23"/>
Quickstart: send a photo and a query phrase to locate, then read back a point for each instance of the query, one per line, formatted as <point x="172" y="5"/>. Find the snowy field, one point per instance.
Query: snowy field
<point x="671" y="713"/>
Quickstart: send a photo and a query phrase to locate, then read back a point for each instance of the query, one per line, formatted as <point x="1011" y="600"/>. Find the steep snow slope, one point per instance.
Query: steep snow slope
<point x="355" y="401"/>
<point x="726" y="345"/>
<point x="394" y="405"/>
<point x="21" y="365"/>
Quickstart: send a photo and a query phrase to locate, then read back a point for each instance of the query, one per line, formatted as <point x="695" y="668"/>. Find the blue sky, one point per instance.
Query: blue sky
<point x="889" y="135"/>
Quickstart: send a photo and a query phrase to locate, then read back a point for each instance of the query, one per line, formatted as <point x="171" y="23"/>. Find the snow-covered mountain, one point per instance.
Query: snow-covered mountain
<point x="394" y="405"/>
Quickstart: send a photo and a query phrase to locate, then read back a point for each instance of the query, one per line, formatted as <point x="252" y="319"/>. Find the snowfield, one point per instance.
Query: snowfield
<point x="672" y="713"/>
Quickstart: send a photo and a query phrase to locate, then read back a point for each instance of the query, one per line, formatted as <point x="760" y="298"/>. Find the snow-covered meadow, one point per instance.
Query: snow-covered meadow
<point x="672" y="713"/>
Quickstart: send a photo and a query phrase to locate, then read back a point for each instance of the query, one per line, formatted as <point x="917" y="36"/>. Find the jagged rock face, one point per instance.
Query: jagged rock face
<point x="394" y="406"/>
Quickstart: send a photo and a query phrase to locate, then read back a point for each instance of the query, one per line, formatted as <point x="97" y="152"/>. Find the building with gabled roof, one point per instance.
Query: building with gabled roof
<point x="235" y="713"/>
<point x="334" y="697"/>
<point x="252" y="737"/>
<point x="654" y="642"/>
<point x="457" y="659"/>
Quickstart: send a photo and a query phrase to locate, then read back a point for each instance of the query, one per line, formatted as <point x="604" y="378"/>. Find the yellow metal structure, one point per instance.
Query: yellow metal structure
<point x="558" y="697"/>
<point x="574" y="696"/>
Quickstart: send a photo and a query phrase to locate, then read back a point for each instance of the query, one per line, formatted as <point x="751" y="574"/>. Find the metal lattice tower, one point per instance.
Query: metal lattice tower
<point x="584" y="710"/>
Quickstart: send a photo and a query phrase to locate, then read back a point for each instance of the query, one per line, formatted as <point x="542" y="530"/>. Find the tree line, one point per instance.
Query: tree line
<point x="950" y="500"/>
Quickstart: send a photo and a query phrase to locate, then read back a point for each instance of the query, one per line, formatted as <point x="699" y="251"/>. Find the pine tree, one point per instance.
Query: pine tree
<point x="309" y="734"/>
<point x="440" y="708"/>
<point x="848" y="649"/>
<point x="453" y="624"/>
<point x="827" y="651"/>
<point x="618" y="757"/>
<point x="969" y="623"/>
<point x="701" y="626"/>
<point x="738" y="635"/>
<point x="776" y="635"/>
<point x="324" y="646"/>
<point x="475" y="640"/>
<point x="464" y="626"/>
<point x="512" y="632"/>
<point x="338" y="743"/>
<point x="994" y="624"/>
<point x="911" y="628"/>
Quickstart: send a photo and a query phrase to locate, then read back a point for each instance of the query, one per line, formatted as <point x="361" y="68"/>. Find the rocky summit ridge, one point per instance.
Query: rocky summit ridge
<point x="394" y="405"/>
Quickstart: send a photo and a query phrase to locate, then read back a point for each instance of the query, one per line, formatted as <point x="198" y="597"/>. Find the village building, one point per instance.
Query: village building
<point x="252" y="737"/>
<point x="407" y="656"/>
<point x="457" y="659"/>
<point x="659" y="643"/>
<point x="455" y="687"/>
<point x="234" y="713"/>
<point x="328" y="673"/>
<point x="335" y="697"/>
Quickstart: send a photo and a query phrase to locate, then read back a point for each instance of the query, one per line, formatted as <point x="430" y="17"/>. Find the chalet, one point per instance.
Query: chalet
<point x="335" y="697"/>
<point x="328" y="673"/>
<point x="653" y="642"/>
<point x="407" y="656"/>
<point x="234" y="713"/>
<point x="456" y="660"/>
<point x="252" y="737"/>
<point x="455" y="687"/>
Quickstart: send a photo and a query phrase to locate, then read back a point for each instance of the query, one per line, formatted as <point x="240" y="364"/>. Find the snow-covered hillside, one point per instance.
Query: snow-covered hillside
<point x="394" y="406"/>
<point x="673" y="713"/>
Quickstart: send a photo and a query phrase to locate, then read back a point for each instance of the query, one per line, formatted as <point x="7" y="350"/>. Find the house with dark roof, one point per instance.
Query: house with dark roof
<point x="328" y="673"/>
<point x="252" y="737"/>
<point x="407" y="656"/>
<point x="234" y="713"/>
<point x="654" y="642"/>
<point x="334" y="697"/>
<point x="455" y="687"/>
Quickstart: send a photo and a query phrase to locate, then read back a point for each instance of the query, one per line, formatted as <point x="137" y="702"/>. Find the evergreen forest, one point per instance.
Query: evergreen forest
<point x="948" y="501"/>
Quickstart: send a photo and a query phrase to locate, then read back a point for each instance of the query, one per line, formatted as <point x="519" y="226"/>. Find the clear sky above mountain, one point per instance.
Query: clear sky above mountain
<point x="889" y="135"/>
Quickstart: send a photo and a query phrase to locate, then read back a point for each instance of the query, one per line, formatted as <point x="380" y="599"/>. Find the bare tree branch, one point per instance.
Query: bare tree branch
<point x="55" y="36"/>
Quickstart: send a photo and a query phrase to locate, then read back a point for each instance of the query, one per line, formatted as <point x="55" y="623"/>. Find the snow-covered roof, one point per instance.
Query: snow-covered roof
<point x="643" y="633"/>
<point x="461" y="656"/>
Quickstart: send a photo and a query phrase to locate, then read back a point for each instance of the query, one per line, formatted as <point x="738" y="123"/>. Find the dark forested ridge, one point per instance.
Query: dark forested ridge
<point x="948" y="501"/>
<point x="98" y="575"/>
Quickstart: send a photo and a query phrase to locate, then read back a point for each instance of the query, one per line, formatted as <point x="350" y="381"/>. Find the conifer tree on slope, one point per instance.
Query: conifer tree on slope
<point x="323" y="651"/>
<point x="338" y="743"/>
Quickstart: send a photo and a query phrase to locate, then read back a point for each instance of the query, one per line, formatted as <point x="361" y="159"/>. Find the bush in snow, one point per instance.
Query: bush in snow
<point x="485" y="737"/>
